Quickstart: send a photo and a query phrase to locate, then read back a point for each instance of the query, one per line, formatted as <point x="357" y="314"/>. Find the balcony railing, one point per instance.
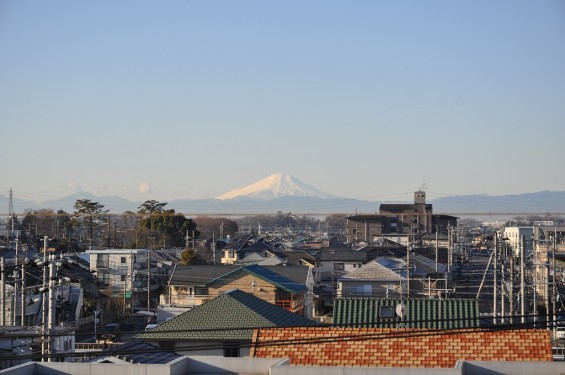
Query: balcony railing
<point x="183" y="300"/>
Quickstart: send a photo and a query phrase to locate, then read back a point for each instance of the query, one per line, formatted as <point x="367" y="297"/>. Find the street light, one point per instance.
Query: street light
<point x="96" y="321"/>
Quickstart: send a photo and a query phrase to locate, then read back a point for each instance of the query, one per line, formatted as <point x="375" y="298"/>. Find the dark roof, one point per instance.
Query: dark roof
<point x="296" y="256"/>
<point x="269" y="276"/>
<point x="228" y="317"/>
<point x="344" y="255"/>
<point x="367" y="218"/>
<point x="392" y="207"/>
<point x="298" y="274"/>
<point x="202" y="274"/>
<point x="199" y="274"/>
<point x="139" y="352"/>
<point x="420" y="313"/>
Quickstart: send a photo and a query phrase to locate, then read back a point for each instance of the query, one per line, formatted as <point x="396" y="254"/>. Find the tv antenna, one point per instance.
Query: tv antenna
<point x="401" y="311"/>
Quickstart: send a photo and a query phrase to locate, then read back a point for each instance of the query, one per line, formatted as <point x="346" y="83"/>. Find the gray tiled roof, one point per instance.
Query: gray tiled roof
<point x="343" y="255"/>
<point x="376" y="272"/>
<point x="228" y="317"/>
<point x="139" y="352"/>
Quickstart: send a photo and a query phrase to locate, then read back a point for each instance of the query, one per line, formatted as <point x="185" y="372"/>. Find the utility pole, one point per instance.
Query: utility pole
<point x="148" y="283"/>
<point x="3" y="289"/>
<point x="16" y="281"/>
<point x="535" y="282"/>
<point x="23" y="280"/>
<point x="502" y="299"/>
<point x="408" y="248"/>
<point x="11" y="211"/>
<point x="553" y="296"/>
<point x="131" y="282"/>
<point x="448" y="249"/>
<point x="52" y="305"/>
<point x="437" y="249"/>
<point x="511" y="288"/>
<point x="494" y="279"/>
<point x="522" y="281"/>
<point x="44" y="300"/>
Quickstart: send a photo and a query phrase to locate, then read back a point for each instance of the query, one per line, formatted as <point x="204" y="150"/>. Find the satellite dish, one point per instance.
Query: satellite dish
<point x="401" y="310"/>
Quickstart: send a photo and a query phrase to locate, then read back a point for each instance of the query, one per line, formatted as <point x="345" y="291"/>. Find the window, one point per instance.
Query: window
<point x="231" y="350"/>
<point x="364" y="290"/>
<point x="122" y="277"/>
<point x="339" y="266"/>
<point x="102" y="261"/>
<point x="122" y="260"/>
<point x="387" y="312"/>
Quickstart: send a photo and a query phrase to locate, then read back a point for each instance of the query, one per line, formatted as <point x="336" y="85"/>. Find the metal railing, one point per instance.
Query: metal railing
<point x="183" y="300"/>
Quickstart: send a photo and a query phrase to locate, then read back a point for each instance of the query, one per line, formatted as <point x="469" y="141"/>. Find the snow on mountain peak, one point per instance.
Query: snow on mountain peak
<point x="275" y="186"/>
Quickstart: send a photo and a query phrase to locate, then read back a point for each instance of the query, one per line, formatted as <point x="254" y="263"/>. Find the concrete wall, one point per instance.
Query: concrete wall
<point x="340" y="370"/>
<point x="512" y="368"/>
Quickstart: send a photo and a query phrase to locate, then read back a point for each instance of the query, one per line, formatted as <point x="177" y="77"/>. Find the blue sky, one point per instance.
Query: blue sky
<point x="360" y="99"/>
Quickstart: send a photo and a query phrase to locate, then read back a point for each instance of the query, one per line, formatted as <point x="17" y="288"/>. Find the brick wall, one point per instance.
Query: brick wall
<point x="386" y="347"/>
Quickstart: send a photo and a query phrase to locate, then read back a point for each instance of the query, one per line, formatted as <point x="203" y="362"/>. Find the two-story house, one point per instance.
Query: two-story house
<point x="127" y="276"/>
<point x="290" y="287"/>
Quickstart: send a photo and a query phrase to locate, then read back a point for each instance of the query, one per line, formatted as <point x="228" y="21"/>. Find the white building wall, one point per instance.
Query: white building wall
<point x="516" y="235"/>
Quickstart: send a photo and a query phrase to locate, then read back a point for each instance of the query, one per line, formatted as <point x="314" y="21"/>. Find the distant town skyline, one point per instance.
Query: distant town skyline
<point x="365" y="100"/>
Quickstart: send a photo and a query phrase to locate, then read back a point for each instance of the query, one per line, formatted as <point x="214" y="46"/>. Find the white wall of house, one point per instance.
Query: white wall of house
<point x="515" y="234"/>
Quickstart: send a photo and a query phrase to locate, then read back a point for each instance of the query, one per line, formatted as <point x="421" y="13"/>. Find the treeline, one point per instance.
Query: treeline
<point x="152" y="226"/>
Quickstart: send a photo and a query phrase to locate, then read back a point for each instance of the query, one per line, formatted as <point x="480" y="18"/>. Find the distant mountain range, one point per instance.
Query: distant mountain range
<point x="282" y="192"/>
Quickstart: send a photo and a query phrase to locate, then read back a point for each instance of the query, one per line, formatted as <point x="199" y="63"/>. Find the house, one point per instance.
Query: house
<point x="189" y="286"/>
<point x="264" y="283"/>
<point x="376" y="278"/>
<point x="388" y="276"/>
<point x="124" y="273"/>
<point x="518" y="237"/>
<point x="222" y="326"/>
<point x="20" y="344"/>
<point x="70" y="282"/>
<point x="335" y="262"/>
<point x="417" y="312"/>
<point x="238" y="249"/>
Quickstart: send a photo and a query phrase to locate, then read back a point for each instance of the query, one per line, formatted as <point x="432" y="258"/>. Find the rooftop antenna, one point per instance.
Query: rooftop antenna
<point x="11" y="211"/>
<point x="424" y="186"/>
<point x="401" y="311"/>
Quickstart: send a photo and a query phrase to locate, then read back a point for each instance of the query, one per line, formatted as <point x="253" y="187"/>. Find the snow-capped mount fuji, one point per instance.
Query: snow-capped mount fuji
<point x="277" y="185"/>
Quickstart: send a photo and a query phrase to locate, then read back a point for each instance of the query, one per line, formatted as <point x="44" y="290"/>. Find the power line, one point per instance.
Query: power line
<point x="397" y="334"/>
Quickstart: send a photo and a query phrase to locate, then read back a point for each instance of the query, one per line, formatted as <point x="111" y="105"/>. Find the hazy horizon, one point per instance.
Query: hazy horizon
<point x="366" y="100"/>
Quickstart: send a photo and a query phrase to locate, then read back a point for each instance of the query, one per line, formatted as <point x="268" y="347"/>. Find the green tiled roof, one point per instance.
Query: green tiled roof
<point x="220" y="318"/>
<point x="420" y="313"/>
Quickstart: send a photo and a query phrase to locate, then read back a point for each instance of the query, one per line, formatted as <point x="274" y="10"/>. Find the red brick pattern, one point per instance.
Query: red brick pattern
<point x="404" y="347"/>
